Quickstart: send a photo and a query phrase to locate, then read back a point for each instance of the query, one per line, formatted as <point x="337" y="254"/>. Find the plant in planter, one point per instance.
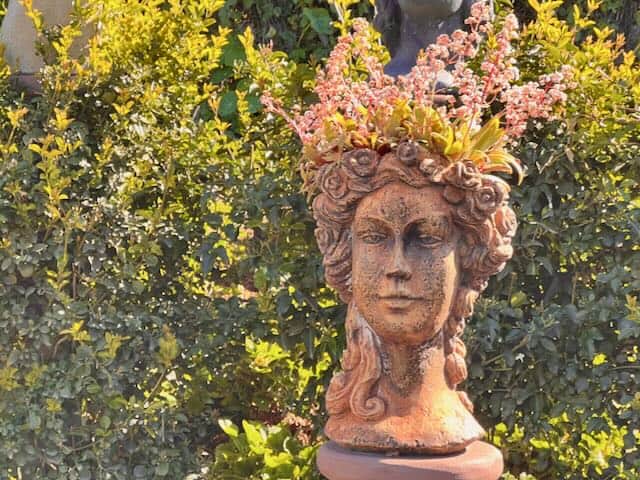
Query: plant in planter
<point x="412" y="221"/>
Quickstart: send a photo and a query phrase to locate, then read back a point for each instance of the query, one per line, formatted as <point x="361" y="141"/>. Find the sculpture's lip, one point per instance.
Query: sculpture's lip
<point x="399" y="296"/>
<point x="399" y="301"/>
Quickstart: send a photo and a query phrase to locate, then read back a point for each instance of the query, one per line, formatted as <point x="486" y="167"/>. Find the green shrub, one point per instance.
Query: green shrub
<point x="262" y="453"/>
<point x="556" y="358"/>
<point x="146" y="235"/>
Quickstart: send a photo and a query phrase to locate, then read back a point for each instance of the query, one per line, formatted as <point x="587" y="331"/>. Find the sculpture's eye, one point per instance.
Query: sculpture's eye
<point x="427" y="240"/>
<point x="373" y="238"/>
<point x="428" y="234"/>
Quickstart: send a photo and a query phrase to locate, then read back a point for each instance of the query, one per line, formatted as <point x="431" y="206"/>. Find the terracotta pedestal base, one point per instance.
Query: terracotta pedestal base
<point x="480" y="461"/>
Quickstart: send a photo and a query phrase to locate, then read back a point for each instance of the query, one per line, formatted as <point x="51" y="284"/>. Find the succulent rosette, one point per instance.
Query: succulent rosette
<point x="360" y="107"/>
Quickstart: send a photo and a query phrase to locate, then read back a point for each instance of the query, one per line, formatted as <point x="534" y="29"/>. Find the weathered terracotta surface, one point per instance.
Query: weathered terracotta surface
<point x="408" y="26"/>
<point x="409" y="242"/>
<point x="479" y="461"/>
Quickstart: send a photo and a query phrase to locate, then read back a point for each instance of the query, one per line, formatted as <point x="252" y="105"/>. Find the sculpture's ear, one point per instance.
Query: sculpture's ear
<point x="387" y="22"/>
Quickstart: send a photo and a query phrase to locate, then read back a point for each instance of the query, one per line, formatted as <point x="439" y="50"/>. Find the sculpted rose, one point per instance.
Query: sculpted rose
<point x="483" y="202"/>
<point x="362" y="162"/>
<point x="334" y="182"/>
<point x="463" y="175"/>
<point x="408" y="153"/>
<point x="506" y="222"/>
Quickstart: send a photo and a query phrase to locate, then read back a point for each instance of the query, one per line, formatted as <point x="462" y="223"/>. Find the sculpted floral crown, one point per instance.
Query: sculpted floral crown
<point x="482" y="194"/>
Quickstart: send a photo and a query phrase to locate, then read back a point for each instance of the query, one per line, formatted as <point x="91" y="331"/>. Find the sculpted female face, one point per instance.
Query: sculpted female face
<point x="405" y="264"/>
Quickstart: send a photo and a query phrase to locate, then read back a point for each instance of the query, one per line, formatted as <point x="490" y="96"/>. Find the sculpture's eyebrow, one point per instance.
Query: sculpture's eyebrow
<point x="433" y="223"/>
<point x="371" y="222"/>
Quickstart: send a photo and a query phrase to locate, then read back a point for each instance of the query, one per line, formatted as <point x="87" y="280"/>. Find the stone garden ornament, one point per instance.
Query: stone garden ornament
<point x="409" y="243"/>
<point x="412" y="221"/>
<point x="408" y="26"/>
<point x="20" y="38"/>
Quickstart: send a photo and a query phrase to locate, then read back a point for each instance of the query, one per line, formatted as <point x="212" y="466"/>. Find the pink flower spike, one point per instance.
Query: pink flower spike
<point x="443" y="40"/>
<point x="357" y="100"/>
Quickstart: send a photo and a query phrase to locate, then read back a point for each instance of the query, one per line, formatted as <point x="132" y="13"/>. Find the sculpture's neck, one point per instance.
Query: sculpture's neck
<point x="411" y="371"/>
<point x="395" y="397"/>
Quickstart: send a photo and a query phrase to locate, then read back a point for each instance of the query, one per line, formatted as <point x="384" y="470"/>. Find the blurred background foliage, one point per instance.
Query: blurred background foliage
<point x="162" y="300"/>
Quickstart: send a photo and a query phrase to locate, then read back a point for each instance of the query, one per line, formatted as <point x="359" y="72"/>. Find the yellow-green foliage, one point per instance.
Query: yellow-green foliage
<point x="145" y="233"/>
<point x="604" y="106"/>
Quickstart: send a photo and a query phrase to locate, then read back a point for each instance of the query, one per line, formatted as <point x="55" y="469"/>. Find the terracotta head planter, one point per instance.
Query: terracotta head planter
<point x="409" y="236"/>
<point x="409" y="242"/>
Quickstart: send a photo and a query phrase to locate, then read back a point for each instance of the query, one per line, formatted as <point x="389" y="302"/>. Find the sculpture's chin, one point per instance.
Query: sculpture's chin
<point x="408" y="336"/>
<point x="414" y="325"/>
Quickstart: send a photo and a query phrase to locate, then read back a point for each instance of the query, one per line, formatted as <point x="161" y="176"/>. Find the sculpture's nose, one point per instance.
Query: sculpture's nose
<point x="398" y="266"/>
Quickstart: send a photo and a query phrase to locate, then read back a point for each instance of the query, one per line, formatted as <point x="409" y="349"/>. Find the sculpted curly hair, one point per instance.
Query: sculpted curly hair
<point x="480" y="210"/>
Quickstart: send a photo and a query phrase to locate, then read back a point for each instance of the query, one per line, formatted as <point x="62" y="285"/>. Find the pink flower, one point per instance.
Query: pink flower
<point x="511" y="26"/>
<point x="459" y="35"/>
<point x="480" y="12"/>
<point x="443" y="40"/>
